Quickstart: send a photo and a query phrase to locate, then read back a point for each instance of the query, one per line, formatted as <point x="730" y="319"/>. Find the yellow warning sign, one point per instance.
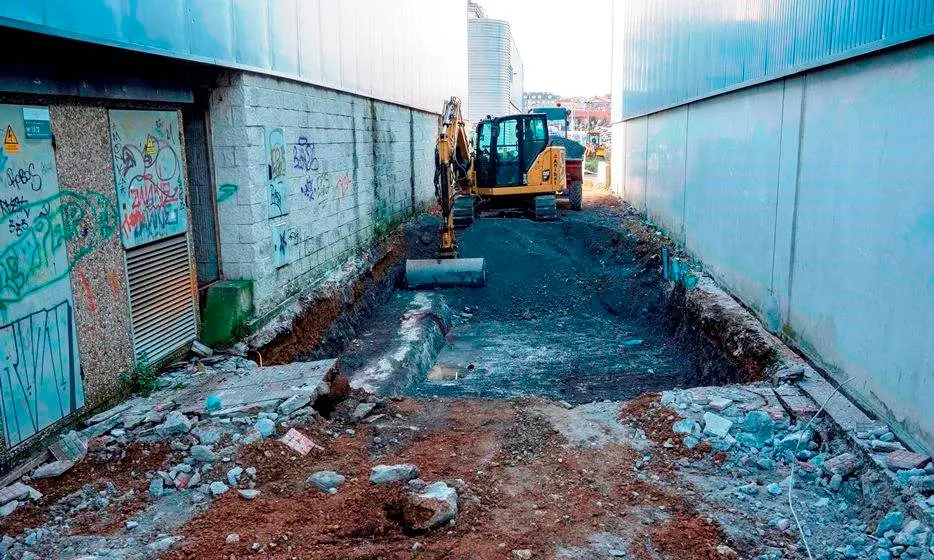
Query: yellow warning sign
<point x="150" y="145"/>
<point x="10" y="143"/>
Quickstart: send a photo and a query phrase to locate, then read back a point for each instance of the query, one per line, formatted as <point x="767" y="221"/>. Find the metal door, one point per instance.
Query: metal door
<point x="203" y="206"/>
<point x="40" y="371"/>
<point x="152" y="196"/>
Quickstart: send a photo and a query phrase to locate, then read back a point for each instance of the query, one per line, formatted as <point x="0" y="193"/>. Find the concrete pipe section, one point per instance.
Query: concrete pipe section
<point x="444" y="273"/>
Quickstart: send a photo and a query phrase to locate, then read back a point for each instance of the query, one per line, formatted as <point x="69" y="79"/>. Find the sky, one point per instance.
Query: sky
<point x="564" y="45"/>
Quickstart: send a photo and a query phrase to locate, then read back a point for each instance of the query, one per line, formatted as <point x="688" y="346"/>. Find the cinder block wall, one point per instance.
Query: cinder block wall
<point x="352" y="168"/>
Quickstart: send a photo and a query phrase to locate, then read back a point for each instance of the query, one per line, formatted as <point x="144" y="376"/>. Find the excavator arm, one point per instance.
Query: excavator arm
<point x="453" y="171"/>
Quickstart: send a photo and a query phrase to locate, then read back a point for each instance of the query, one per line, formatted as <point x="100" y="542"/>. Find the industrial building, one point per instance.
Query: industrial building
<point x="494" y="68"/>
<point x="176" y="169"/>
<point x="783" y="144"/>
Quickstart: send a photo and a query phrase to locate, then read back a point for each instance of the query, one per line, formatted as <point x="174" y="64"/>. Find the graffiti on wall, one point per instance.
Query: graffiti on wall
<point x="35" y="256"/>
<point x="280" y="245"/>
<point x="226" y="192"/>
<point x="40" y="380"/>
<point x="149" y="175"/>
<point x="39" y="375"/>
<point x="276" y="184"/>
<point x="344" y="185"/>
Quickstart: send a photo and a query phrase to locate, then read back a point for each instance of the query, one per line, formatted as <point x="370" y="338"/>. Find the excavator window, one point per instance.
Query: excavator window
<point x="484" y="154"/>
<point x="508" y="166"/>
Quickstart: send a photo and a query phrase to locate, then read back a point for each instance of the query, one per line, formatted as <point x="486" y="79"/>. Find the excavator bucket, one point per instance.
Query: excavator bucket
<point x="444" y="273"/>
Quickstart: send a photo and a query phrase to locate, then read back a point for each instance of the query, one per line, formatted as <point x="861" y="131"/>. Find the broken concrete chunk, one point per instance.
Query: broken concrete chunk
<point x="100" y="417"/>
<point x="719" y="403"/>
<point x="204" y="454"/>
<point x="207" y="436"/>
<point x="233" y="476"/>
<point x="265" y="427"/>
<point x="70" y="446"/>
<point x="248" y="494"/>
<point x="163" y="544"/>
<point x="157" y="486"/>
<point x="17" y="491"/>
<point x="201" y="350"/>
<point x="686" y="426"/>
<point x="844" y="464"/>
<point x="383" y="474"/>
<point x="53" y="469"/>
<point x="362" y="410"/>
<point x="217" y="488"/>
<point x="520" y="554"/>
<point x="758" y="429"/>
<point x="294" y="403"/>
<point x="716" y="425"/>
<point x="175" y="423"/>
<point x="892" y="521"/>
<point x="884" y="446"/>
<point x="433" y="506"/>
<point x="328" y="481"/>
<point x="8" y="508"/>
<point x="903" y="460"/>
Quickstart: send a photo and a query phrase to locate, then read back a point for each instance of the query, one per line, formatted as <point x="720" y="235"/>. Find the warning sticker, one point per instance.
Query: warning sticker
<point x="150" y="145"/>
<point x="10" y="142"/>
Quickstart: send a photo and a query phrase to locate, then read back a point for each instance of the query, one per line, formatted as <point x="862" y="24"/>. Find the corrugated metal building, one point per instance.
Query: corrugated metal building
<point x="494" y="69"/>
<point x="156" y="153"/>
<point x="784" y="143"/>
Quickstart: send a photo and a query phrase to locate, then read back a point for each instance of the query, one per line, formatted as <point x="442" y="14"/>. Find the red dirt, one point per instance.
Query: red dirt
<point x="525" y="488"/>
<point x="310" y="327"/>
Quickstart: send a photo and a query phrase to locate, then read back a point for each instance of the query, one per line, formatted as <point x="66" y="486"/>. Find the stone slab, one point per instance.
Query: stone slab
<point x="263" y="386"/>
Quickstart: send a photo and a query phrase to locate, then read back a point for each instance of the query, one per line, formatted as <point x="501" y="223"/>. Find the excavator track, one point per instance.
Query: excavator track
<point x="464" y="211"/>
<point x="546" y="208"/>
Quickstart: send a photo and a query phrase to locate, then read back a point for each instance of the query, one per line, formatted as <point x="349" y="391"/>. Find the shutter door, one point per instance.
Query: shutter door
<point x="161" y="297"/>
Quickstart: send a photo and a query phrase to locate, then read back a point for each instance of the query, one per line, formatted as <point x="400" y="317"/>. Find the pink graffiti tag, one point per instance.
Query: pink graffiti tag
<point x="344" y="186"/>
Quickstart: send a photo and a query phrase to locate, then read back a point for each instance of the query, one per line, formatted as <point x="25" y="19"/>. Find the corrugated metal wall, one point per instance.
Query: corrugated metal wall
<point x="412" y="52"/>
<point x="668" y="52"/>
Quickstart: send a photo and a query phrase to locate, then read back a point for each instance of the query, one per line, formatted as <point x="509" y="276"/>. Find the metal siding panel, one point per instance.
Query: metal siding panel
<point x="251" y="32"/>
<point x="159" y="25"/>
<point x="101" y="19"/>
<point x="309" y="40"/>
<point x="330" y="42"/>
<point x="283" y="36"/>
<point x="211" y="29"/>
<point x="29" y="11"/>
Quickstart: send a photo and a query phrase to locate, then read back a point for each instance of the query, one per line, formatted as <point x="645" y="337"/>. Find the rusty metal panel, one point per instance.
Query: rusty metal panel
<point x="161" y="298"/>
<point x="149" y="175"/>
<point x="40" y="380"/>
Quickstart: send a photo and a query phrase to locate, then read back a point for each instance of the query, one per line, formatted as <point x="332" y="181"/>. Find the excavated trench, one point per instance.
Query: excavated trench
<point x="573" y="310"/>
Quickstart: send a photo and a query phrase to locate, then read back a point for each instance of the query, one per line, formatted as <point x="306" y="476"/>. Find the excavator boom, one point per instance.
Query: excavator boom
<point x="453" y="175"/>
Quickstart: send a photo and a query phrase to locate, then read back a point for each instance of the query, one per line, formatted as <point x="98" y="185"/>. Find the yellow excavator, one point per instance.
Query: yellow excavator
<point x="513" y="161"/>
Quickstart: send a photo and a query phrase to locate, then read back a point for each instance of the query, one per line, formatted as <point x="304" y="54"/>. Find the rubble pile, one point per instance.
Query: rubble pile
<point x="756" y="439"/>
<point x="203" y="430"/>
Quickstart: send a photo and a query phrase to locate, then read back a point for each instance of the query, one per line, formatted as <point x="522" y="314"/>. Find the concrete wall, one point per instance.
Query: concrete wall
<point x="308" y="175"/>
<point x="810" y="199"/>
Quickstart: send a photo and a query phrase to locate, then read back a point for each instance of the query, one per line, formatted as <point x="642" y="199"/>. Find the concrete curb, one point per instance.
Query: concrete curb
<point x="418" y="341"/>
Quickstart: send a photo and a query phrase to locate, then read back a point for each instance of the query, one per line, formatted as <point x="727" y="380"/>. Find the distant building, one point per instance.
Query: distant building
<point x="535" y="99"/>
<point x="495" y="72"/>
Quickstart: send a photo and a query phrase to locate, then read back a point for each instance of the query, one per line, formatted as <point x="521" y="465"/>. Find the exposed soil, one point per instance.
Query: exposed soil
<point x="526" y="488"/>
<point x="332" y="318"/>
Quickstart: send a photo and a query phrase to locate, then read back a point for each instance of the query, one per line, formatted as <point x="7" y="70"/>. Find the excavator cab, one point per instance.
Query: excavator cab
<point x="507" y="149"/>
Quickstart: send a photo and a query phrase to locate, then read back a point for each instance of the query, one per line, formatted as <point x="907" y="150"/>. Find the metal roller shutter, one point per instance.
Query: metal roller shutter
<point x="161" y="297"/>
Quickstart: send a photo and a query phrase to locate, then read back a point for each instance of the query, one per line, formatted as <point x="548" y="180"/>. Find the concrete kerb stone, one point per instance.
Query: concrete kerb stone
<point x="419" y="340"/>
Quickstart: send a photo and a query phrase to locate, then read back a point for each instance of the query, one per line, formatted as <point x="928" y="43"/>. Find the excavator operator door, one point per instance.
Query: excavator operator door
<point x="507" y="147"/>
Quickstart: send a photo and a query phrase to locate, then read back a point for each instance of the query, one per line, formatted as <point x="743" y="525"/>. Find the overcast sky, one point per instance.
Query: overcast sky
<point x="565" y="45"/>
